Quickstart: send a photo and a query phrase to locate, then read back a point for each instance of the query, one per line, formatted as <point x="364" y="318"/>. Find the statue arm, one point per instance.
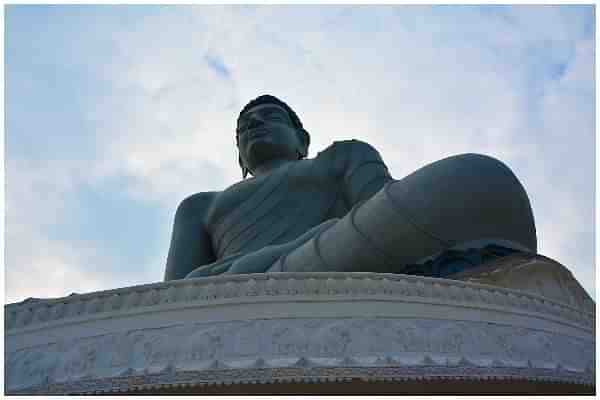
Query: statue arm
<point x="190" y="242"/>
<point x="364" y="172"/>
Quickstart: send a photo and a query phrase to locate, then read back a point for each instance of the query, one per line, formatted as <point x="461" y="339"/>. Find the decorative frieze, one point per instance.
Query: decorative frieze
<point x="370" y="343"/>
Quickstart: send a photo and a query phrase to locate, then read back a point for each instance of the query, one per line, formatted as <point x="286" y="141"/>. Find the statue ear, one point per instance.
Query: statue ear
<point x="243" y="167"/>
<point x="305" y="139"/>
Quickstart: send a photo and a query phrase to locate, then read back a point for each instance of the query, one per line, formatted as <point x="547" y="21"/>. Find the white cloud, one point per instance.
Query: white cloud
<point x="37" y="265"/>
<point x="566" y="177"/>
<point x="39" y="260"/>
<point x="46" y="268"/>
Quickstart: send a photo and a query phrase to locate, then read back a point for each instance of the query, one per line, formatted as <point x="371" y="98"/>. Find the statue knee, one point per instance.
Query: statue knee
<point x="468" y="197"/>
<point x="494" y="195"/>
<point x="479" y="163"/>
<point x="490" y="177"/>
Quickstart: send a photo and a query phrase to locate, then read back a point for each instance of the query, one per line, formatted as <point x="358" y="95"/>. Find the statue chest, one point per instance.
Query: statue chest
<point x="270" y="210"/>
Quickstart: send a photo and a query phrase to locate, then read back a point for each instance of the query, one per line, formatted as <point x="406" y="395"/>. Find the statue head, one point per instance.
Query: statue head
<point x="267" y="128"/>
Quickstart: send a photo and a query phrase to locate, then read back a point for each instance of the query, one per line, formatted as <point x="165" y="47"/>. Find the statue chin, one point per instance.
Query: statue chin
<point x="261" y="151"/>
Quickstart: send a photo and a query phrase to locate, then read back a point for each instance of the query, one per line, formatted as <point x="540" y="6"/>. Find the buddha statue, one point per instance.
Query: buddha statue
<point x="341" y="210"/>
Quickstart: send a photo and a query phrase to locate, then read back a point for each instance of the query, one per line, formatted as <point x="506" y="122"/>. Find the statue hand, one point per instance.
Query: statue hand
<point x="216" y="268"/>
<point x="259" y="261"/>
<point x="262" y="260"/>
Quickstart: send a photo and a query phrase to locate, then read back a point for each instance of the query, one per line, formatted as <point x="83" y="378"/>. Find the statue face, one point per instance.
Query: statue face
<point x="266" y="132"/>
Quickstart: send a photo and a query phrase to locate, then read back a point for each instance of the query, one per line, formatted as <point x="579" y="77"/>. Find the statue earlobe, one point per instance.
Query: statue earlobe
<point x="243" y="167"/>
<point x="303" y="151"/>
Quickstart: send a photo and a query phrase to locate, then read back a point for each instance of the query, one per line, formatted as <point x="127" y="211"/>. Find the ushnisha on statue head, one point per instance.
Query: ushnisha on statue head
<point x="268" y="133"/>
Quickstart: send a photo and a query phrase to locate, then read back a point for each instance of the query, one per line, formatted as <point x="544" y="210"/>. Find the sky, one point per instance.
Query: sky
<point x="114" y="114"/>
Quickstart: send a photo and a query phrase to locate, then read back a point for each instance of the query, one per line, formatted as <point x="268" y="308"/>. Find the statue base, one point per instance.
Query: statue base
<point x="313" y="333"/>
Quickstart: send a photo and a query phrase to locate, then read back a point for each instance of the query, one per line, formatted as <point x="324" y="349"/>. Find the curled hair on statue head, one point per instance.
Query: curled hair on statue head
<point x="269" y="99"/>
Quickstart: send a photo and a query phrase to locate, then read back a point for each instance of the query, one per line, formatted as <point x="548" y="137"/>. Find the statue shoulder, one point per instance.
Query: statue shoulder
<point x="343" y="156"/>
<point x="196" y="206"/>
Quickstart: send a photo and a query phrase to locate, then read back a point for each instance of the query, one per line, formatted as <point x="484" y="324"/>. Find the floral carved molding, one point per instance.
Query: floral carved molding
<point x="279" y="286"/>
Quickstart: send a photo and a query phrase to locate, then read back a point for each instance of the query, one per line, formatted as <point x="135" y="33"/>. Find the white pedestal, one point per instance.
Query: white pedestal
<point x="284" y="327"/>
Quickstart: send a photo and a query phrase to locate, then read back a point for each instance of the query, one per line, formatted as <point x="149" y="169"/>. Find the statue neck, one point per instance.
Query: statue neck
<point x="269" y="166"/>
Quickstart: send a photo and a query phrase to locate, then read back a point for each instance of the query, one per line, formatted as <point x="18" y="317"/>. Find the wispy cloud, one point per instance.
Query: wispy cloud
<point x="217" y="65"/>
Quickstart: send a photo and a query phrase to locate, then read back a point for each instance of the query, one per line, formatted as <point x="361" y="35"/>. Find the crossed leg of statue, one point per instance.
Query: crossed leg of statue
<point x="466" y="201"/>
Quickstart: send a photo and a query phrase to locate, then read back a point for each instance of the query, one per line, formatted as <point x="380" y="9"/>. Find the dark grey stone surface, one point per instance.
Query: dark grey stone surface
<point x="341" y="210"/>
